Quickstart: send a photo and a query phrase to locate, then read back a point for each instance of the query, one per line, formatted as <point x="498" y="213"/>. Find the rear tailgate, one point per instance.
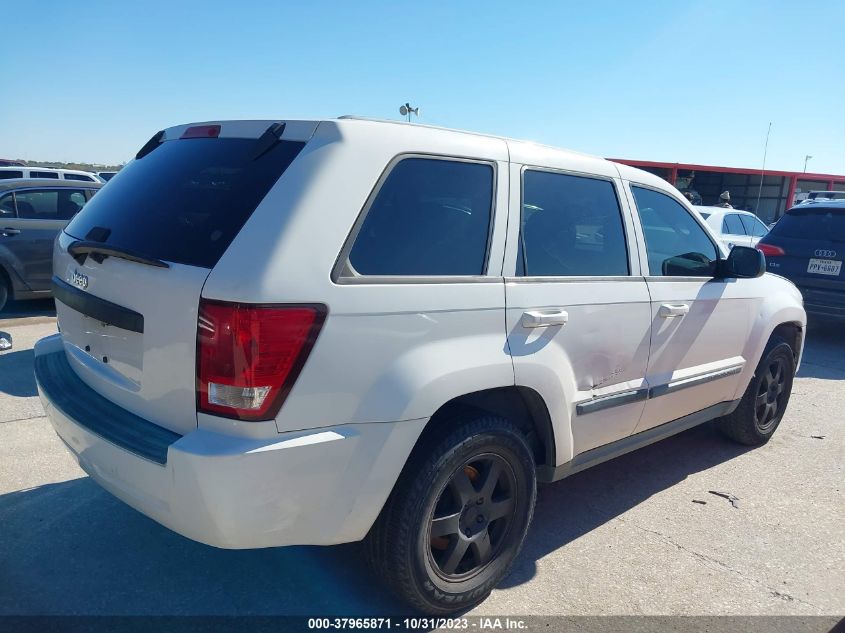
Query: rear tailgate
<point x="129" y="269"/>
<point x="813" y="244"/>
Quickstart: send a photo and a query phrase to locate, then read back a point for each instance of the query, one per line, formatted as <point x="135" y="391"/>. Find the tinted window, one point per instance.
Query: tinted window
<point x="186" y="200"/>
<point x="704" y="215"/>
<point x="812" y="224"/>
<point x="753" y="226"/>
<point x="676" y="243"/>
<point x="44" y="174"/>
<point x="5" y="175"/>
<point x="53" y="204"/>
<point x="78" y="177"/>
<point x="430" y="217"/>
<point x="571" y="226"/>
<point x="733" y="225"/>
<point x="7" y="205"/>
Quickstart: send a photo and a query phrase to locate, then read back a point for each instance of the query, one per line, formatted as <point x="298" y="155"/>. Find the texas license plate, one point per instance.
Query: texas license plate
<point x="824" y="266"/>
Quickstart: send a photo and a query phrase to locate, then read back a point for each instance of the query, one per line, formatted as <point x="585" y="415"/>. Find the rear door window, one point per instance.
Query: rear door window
<point x="753" y="226"/>
<point x="732" y="225"/>
<point x="44" y="174"/>
<point x="7" y="205"/>
<point x="49" y="204"/>
<point x="78" y="177"/>
<point x="430" y="217"/>
<point x="7" y="175"/>
<point x="571" y="227"/>
<point x="812" y="224"/>
<point x="186" y="200"/>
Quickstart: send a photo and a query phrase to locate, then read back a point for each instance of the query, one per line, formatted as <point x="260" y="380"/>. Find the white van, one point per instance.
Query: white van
<point x="316" y="332"/>
<point x="7" y="173"/>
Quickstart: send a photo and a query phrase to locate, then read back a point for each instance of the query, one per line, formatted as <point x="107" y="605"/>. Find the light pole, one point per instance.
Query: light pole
<point x="806" y="158"/>
<point x="406" y="110"/>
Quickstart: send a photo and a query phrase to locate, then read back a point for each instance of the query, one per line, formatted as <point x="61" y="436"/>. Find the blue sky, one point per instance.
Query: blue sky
<point x="689" y="81"/>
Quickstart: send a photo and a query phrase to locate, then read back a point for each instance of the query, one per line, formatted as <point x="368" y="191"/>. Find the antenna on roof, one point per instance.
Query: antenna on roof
<point x="763" y="171"/>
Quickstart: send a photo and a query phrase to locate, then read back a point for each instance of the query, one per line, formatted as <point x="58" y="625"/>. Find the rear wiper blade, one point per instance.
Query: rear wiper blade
<point x="80" y="249"/>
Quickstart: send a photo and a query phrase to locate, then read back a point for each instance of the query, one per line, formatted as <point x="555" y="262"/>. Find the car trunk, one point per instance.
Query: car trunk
<point x="150" y="373"/>
<point x="813" y="243"/>
<point x="129" y="270"/>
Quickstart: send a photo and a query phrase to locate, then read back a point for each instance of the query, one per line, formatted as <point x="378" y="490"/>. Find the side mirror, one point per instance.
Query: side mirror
<point x="743" y="262"/>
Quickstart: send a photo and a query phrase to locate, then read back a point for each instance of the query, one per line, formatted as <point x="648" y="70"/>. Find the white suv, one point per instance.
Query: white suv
<point x="317" y="332"/>
<point x="7" y="173"/>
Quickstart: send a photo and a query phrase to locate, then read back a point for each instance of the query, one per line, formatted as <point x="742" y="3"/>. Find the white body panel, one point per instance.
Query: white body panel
<point x="392" y="351"/>
<point x="716" y="221"/>
<point x="152" y="374"/>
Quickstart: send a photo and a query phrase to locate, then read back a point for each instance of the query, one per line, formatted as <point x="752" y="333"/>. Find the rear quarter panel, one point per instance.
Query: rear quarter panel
<point x="387" y="351"/>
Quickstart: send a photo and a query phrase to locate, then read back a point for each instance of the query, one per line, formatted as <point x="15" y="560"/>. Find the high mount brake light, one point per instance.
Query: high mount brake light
<point x="202" y="131"/>
<point x="249" y="356"/>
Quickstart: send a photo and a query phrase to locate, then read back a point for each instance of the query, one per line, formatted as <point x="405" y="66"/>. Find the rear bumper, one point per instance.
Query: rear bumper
<point x="826" y="303"/>
<point x="317" y="487"/>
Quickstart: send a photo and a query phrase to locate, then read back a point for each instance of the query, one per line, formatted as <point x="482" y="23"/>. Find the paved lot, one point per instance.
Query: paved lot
<point x="623" y="538"/>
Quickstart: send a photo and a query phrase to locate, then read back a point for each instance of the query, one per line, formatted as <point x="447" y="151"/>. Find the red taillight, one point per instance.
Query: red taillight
<point x="770" y="251"/>
<point x="249" y="356"/>
<point x="202" y="131"/>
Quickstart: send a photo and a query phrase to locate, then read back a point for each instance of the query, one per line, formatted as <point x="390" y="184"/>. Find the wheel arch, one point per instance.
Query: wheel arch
<point x="522" y="405"/>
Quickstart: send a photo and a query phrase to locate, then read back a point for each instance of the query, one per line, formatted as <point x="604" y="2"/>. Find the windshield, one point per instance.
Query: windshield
<point x="186" y="200"/>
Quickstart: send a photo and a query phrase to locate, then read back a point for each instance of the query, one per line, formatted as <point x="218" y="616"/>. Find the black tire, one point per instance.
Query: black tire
<point x="764" y="402"/>
<point x="443" y="488"/>
<point x="4" y="293"/>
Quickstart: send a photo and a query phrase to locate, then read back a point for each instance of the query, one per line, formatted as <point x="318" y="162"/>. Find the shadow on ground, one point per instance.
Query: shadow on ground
<point x="22" y="309"/>
<point x="824" y="352"/>
<point x="579" y="504"/>
<point x="16" y="373"/>
<point x="72" y="548"/>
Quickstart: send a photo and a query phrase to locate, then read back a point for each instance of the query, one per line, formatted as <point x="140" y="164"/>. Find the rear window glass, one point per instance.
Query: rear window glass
<point x="430" y="217"/>
<point x="78" y="177"/>
<point x="812" y="224"/>
<point x="186" y="200"/>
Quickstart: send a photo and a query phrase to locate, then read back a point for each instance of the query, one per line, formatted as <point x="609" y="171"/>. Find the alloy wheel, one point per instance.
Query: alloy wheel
<point x="472" y="516"/>
<point x="769" y="400"/>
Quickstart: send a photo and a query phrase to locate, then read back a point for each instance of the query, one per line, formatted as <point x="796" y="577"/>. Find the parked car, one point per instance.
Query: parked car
<point x="732" y="226"/>
<point x="317" y="332"/>
<point x="32" y="213"/>
<point x="807" y="246"/>
<point x="826" y="195"/>
<point x="7" y="173"/>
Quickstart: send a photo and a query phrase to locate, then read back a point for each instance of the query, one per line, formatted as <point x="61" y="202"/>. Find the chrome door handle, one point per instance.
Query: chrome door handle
<point x="670" y="310"/>
<point x="544" y="318"/>
<point x="8" y="232"/>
